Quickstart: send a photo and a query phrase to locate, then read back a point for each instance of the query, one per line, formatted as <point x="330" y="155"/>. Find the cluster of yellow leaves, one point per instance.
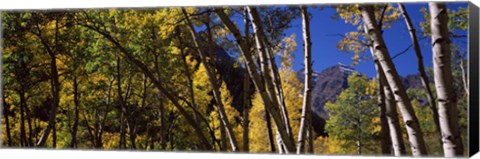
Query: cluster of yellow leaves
<point x="390" y="16"/>
<point x="232" y="115"/>
<point x="372" y="87"/>
<point x="202" y="88"/>
<point x="350" y="13"/>
<point x="258" y="135"/>
<point x="326" y="145"/>
<point x="286" y="49"/>
<point x="112" y="140"/>
<point x="15" y="129"/>
<point x="354" y="41"/>
<point x="292" y="89"/>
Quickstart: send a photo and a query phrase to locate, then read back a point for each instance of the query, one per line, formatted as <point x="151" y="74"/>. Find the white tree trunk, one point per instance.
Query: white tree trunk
<point x="421" y="68"/>
<point x="307" y="95"/>
<point x="215" y="88"/>
<point x="270" y="71"/>
<point x="447" y="100"/>
<point x="391" y="114"/>
<point x="385" y="140"/>
<point x="381" y="53"/>
<point x="271" y="105"/>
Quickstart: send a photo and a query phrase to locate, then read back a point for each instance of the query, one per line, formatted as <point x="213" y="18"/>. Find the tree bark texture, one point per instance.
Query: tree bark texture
<point x="214" y="84"/>
<point x="305" y="121"/>
<point x="442" y="69"/>
<point x="272" y="106"/>
<point x="380" y="50"/>
<point x="421" y="68"/>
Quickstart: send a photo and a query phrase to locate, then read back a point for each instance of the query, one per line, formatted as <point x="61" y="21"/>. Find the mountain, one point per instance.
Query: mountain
<point x="327" y="85"/>
<point x="233" y="75"/>
<point x="413" y="81"/>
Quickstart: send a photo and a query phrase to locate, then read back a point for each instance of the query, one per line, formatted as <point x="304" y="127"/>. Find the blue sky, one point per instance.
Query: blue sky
<point x="397" y="38"/>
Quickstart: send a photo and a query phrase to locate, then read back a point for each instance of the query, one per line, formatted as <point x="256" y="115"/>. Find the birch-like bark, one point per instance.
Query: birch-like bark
<point x="390" y="113"/>
<point x="272" y="106"/>
<point x="187" y="74"/>
<point x="265" y="68"/>
<point x="385" y="139"/>
<point x="421" y="68"/>
<point x="380" y="51"/>
<point x="307" y="94"/>
<point x="464" y="76"/>
<point x="223" y="136"/>
<point x="268" y="123"/>
<point x="395" y="131"/>
<point x="442" y="69"/>
<point x="272" y="81"/>
<point x="213" y="82"/>
<point x="277" y="82"/>
<point x="396" y="136"/>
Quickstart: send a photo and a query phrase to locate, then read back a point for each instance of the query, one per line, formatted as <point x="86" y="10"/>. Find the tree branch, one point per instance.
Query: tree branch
<point x="357" y="40"/>
<point x="406" y="49"/>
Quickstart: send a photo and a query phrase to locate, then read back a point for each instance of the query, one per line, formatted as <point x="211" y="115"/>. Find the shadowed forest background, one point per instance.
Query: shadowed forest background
<point x="239" y="79"/>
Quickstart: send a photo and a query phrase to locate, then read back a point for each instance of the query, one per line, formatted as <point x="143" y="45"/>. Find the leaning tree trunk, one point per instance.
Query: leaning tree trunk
<point x="271" y="105"/>
<point x="392" y="118"/>
<point x="158" y="84"/>
<point x="246" y="109"/>
<point x="223" y="136"/>
<point x="307" y="95"/>
<point x="55" y="87"/>
<point x="391" y="115"/>
<point x="246" y="94"/>
<point x="273" y="70"/>
<point x="55" y="100"/>
<point x="415" y="135"/>
<point x="395" y="131"/>
<point x="272" y="84"/>
<point x="442" y="69"/>
<point x="464" y="75"/>
<point x="385" y="140"/>
<point x="214" y="83"/>
<point x="269" y="132"/>
<point x="421" y="68"/>
<point x="265" y="69"/>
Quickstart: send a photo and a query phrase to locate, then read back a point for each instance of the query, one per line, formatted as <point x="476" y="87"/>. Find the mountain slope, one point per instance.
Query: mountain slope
<point x="327" y="85"/>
